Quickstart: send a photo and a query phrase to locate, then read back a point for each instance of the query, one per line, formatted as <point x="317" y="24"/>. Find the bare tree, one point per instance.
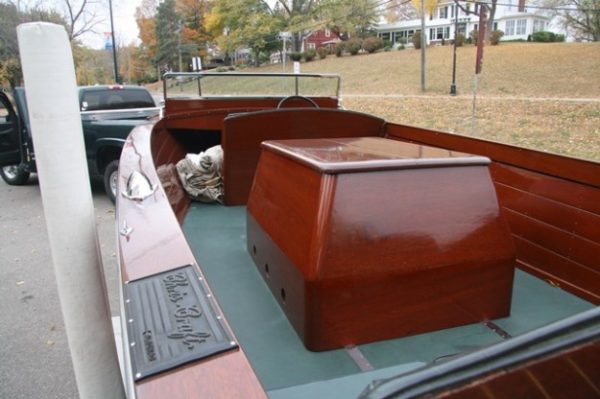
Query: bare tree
<point x="81" y="16"/>
<point x="580" y="18"/>
<point x="490" y="11"/>
<point x="399" y="10"/>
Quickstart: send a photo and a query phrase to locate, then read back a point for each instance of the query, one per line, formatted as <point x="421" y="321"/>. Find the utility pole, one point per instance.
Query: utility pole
<point x="423" y="44"/>
<point x="114" y="44"/>
<point x="480" y="38"/>
<point x="478" y="61"/>
<point x="284" y="53"/>
<point x="284" y="36"/>
<point x="453" y="85"/>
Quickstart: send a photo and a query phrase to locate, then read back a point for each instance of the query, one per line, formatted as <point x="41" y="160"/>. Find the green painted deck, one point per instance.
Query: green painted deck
<point x="217" y="236"/>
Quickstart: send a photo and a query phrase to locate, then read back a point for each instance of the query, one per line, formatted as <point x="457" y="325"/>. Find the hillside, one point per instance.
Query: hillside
<point x="539" y="95"/>
<point x="511" y="69"/>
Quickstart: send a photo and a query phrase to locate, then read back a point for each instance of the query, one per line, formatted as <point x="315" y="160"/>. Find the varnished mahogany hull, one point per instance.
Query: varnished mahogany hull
<point x="573" y="373"/>
<point x="560" y="243"/>
<point x="551" y="204"/>
<point x="156" y="244"/>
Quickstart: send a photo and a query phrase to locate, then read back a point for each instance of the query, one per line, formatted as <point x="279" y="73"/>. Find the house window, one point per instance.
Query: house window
<point x="476" y="8"/>
<point x="447" y="32"/>
<point x="327" y="33"/>
<point x="510" y="28"/>
<point x="443" y="12"/>
<point x="452" y="11"/>
<point x="311" y="45"/>
<point x="521" y="26"/>
<point x="437" y="34"/>
<point x="495" y="25"/>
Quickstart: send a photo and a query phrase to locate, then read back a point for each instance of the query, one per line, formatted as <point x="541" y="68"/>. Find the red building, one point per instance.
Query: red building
<point x="318" y="39"/>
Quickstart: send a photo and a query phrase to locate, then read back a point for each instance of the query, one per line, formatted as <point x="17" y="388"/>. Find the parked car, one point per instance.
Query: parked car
<point x="108" y="113"/>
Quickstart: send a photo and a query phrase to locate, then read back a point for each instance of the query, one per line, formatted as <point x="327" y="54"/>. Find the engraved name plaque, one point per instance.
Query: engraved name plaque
<point x="171" y="320"/>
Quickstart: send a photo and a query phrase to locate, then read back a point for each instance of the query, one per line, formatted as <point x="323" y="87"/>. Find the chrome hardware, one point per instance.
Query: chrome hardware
<point x="138" y="187"/>
<point x="125" y="230"/>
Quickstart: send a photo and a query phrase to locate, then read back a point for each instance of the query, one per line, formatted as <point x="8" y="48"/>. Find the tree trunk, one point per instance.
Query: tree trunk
<point x="490" y="21"/>
<point x="297" y="42"/>
<point x="256" y="57"/>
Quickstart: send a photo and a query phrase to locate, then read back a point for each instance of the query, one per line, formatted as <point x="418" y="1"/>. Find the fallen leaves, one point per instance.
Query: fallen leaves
<point x="512" y="73"/>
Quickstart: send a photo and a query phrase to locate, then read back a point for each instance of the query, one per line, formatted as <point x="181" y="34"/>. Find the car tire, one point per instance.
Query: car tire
<point x="110" y="179"/>
<point x="15" y="175"/>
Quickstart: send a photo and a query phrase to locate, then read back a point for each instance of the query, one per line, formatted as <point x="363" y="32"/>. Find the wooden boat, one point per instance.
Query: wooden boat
<point x="354" y="256"/>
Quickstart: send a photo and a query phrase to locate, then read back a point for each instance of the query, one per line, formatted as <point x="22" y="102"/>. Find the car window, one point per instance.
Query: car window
<point x="95" y="100"/>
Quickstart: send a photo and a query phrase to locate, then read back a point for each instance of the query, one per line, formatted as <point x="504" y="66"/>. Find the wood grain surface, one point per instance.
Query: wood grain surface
<point x="244" y="133"/>
<point x="381" y="254"/>
<point x="551" y="203"/>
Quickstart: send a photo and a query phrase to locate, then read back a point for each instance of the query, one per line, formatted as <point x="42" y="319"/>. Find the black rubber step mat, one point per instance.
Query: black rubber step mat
<point x="171" y="320"/>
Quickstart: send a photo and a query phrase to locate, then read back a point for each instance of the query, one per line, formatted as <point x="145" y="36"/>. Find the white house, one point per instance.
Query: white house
<point x="512" y="17"/>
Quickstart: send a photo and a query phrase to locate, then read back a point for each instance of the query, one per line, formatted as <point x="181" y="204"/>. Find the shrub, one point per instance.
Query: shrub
<point x="460" y="40"/>
<point x="474" y="35"/>
<point x="221" y="69"/>
<point x="310" y="54"/>
<point x="543" y="37"/>
<point x="387" y="48"/>
<point x="495" y="37"/>
<point x="339" y="48"/>
<point x="296" y="56"/>
<point x="322" y="51"/>
<point x="372" y="44"/>
<point x="547" y="37"/>
<point x="387" y="43"/>
<point x="416" y="40"/>
<point x="353" y="46"/>
<point x="401" y="47"/>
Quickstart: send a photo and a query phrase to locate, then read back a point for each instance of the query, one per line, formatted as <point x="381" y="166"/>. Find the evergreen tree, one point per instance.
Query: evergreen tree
<point x="167" y="31"/>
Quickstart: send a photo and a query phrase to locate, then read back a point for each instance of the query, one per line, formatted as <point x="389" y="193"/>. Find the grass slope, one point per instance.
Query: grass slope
<point x="511" y="69"/>
<point x="536" y="95"/>
<point x="544" y="96"/>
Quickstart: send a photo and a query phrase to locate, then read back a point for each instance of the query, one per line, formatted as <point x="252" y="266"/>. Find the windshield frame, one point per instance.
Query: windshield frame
<point x="296" y="77"/>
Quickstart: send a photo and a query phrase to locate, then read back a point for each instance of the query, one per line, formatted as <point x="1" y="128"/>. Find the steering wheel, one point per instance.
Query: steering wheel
<point x="292" y="98"/>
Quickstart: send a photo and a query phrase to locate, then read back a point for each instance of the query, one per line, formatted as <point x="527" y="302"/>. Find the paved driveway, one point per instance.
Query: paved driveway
<point x="34" y="356"/>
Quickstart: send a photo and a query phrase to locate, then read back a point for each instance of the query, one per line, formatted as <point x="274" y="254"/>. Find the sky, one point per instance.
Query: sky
<point x="126" y="30"/>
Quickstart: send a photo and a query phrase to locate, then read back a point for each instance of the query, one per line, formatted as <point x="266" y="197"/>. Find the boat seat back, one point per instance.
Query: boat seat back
<point x="243" y="134"/>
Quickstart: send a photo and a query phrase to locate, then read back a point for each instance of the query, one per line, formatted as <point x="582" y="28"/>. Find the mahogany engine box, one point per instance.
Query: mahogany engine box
<point x="367" y="239"/>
